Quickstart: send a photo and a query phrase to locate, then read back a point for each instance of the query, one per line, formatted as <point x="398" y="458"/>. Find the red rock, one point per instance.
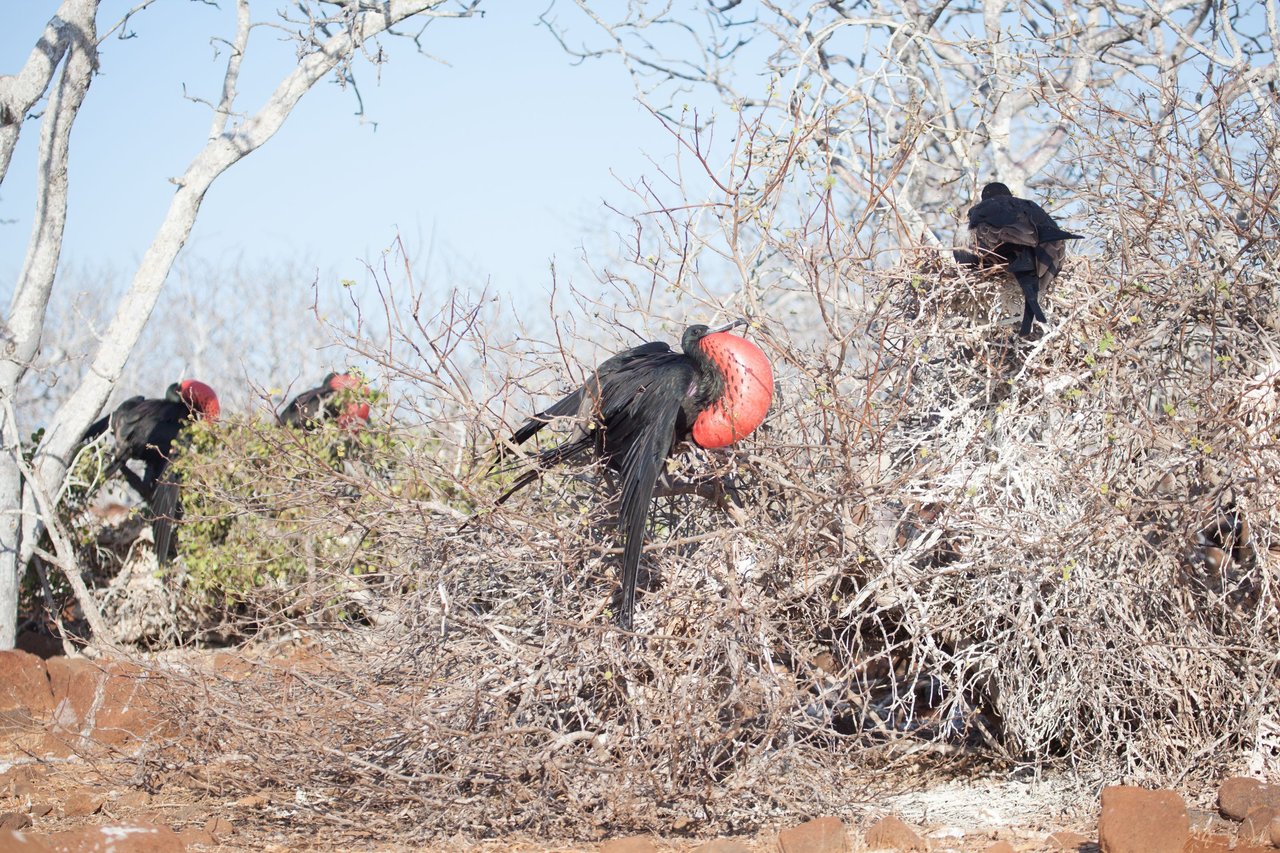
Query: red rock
<point x="24" y="686"/>
<point x="106" y="703"/>
<point x="1000" y="847"/>
<point x="1257" y="824"/>
<point x="722" y="845"/>
<point x="1068" y="840"/>
<point x="82" y="802"/>
<point x="890" y="832"/>
<point x="14" y="820"/>
<point x="121" y="838"/>
<point x="1275" y="832"/>
<point x="40" y="808"/>
<point x="12" y="841"/>
<point x="821" y="835"/>
<point x="1209" y="844"/>
<point x="632" y="844"/>
<point x="25" y="703"/>
<point x="1135" y="820"/>
<point x="1239" y="794"/>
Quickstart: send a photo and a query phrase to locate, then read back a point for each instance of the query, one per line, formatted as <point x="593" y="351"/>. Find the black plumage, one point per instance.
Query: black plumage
<point x="311" y="407"/>
<point x="1022" y="236"/>
<point x="631" y="413"/>
<point x="145" y="430"/>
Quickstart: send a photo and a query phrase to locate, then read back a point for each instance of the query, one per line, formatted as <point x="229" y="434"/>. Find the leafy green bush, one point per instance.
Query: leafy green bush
<point x="270" y="508"/>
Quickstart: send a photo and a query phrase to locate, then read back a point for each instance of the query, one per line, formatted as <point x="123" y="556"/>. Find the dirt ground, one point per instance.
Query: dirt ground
<point x="80" y="770"/>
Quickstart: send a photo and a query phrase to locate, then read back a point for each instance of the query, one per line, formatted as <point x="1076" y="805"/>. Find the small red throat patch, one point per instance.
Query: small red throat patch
<point x="200" y="397"/>
<point x="748" y="391"/>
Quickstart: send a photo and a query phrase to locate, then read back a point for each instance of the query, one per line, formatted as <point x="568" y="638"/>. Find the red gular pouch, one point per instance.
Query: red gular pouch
<point x="748" y="391"/>
<point x="354" y="414"/>
<point x="200" y="397"/>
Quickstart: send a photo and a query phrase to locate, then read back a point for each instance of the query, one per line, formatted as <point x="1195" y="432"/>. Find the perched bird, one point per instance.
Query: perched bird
<point x="1019" y="234"/>
<point x="640" y="404"/>
<point x="145" y="430"/>
<point x="314" y="405"/>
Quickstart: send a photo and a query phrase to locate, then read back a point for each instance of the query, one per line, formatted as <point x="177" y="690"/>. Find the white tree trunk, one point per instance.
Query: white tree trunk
<point x="20" y="92"/>
<point x="75" y="34"/>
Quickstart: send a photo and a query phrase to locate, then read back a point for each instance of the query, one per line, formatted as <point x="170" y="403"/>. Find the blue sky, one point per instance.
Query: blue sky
<point x="499" y="157"/>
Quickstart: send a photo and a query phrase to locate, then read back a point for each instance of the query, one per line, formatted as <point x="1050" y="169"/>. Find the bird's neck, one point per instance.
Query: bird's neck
<point x="710" y="383"/>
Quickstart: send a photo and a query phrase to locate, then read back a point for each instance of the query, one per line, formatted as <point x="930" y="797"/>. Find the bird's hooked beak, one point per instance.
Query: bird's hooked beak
<point x="735" y="324"/>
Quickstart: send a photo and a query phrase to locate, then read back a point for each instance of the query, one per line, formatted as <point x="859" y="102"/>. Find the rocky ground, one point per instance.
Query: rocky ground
<point x="80" y="770"/>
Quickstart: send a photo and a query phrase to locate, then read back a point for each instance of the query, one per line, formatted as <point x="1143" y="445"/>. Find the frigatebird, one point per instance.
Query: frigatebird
<point x="638" y="405"/>
<point x="1022" y="236"/>
<point x="314" y="405"/>
<point x="145" y="430"/>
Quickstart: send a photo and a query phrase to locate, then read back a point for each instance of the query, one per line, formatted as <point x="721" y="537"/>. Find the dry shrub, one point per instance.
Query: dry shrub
<point x="1056" y="552"/>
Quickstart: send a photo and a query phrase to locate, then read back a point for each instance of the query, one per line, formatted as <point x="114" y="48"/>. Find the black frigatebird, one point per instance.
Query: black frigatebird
<point x="145" y="430"/>
<point x="640" y="404"/>
<point x="314" y="405"/>
<point x="1021" y="235"/>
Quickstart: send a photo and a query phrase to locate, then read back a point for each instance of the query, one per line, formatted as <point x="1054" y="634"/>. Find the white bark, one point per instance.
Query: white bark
<point x="75" y="26"/>
<point x="20" y="92"/>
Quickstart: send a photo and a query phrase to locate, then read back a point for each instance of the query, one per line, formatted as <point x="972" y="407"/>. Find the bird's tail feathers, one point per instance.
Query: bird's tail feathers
<point x="1050" y="233"/>
<point x="165" y="510"/>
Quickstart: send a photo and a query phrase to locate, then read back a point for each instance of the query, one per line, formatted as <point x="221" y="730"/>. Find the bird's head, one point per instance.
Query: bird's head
<point x="199" y="396"/>
<point x="748" y="385"/>
<point x="995" y="189"/>
<point x="693" y="335"/>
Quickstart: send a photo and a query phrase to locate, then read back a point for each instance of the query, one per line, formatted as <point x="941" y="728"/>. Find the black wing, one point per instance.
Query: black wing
<point x="999" y="221"/>
<point x="643" y="434"/>
<point x="146" y="431"/>
<point x="598" y="403"/>
<point x="571" y="403"/>
<point x="304" y="409"/>
<point x="100" y="426"/>
<point x="1047" y="230"/>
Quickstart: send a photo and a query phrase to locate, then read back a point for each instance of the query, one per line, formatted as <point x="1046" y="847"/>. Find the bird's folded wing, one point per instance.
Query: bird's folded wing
<point x="646" y="454"/>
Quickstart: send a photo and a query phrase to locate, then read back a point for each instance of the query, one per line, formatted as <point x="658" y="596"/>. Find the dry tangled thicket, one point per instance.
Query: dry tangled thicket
<point x="1059" y="551"/>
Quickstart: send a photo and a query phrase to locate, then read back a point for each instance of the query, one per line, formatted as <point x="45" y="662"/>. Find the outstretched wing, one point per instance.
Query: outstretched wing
<point x="562" y="408"/>
<point x="597" y="383"/>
